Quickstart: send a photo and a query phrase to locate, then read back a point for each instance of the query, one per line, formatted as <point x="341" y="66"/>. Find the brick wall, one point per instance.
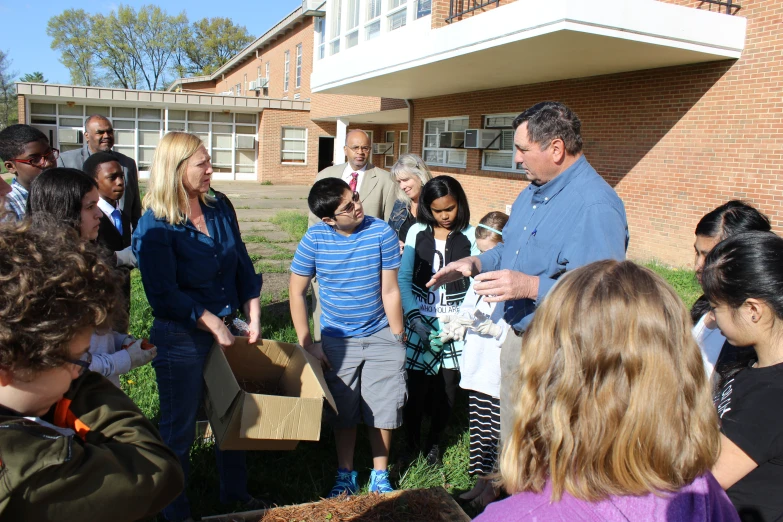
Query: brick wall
<point x="21" y="109"/>
<point x="674" y="142"/>
<point x="440" y="10"/>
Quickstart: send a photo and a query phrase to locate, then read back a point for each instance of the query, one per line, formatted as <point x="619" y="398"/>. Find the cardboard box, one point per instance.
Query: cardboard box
<point x="250" y="421"/>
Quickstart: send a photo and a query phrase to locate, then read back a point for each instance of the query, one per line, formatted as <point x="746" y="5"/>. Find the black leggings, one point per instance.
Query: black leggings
<point x="433" y="395"/>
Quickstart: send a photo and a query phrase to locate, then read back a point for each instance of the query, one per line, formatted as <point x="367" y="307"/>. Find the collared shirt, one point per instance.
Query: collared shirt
<point x="16" y="200"/>
<point x="186" y="272"/>
<point x="106" y="207"/>
<point x="571" y="221"/>
<point x="347" y="175"/>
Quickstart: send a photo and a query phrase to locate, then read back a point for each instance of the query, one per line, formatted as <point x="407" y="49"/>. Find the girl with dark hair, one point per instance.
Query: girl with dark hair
<point x="743" y="281"/>
<point x="69" y="196"/>
<point x="727" y="220"/>
<point x="443" y="234"/>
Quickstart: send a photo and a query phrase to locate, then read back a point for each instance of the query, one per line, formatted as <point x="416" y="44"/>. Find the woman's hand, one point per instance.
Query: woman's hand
<point x="223" y="336"/>
<point x="213" y="324"/>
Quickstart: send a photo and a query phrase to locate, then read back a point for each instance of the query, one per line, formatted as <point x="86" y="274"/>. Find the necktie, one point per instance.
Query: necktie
<point x="352" y="183"/>
<point x="116" y="216"/>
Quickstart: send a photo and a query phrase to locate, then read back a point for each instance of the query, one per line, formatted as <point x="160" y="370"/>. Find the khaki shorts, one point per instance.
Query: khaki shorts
<point x="367" y="380"/>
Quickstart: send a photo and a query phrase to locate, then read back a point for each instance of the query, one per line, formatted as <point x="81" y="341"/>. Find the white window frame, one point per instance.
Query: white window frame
<point x="283" y="140"/>
<point x="320" y="38"/>
<point x="335" y="22"/>
<point x="298" y="66"/>
<point x="392" y="11"/>
<point x="387" y="158"/>
<point x="403" y="142"/>
<point x="446" y="129"/>
<point x="511" y="168"/>
<point x="287" y="70"/>
<point x="239" y="89"/>
<point x="267" y="73"/>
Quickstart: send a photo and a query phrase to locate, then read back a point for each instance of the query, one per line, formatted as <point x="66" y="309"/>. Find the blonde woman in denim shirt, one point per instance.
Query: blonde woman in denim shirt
<point x="411" y="173"/>
<point x="197" y="275"/>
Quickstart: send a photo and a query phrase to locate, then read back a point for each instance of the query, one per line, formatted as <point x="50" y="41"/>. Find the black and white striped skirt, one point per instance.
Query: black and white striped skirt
<point x="484" y="417"/>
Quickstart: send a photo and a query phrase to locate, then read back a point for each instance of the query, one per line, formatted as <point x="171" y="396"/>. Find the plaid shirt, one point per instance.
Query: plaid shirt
<point x="419" y="356"/>
<point x="16" y="200"/>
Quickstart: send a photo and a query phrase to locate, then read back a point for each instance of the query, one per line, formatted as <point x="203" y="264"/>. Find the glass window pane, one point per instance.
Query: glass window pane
<point x="351" y="39"/>
<point x="223" y="117"/>
<point x="198" y="116"/>
<point x="123" y="112"/>
<point x="353" y="14"/>
<point x="94" y="109"/>
<point x="73" y="110"/>
<point x="225" y="129"/>
<point x="128" y="151"/>
<point x="246" y="118"/>
<point x="42" y="108"/>
<point x="435" y="127"/>
<point x="204" y="138"/>
<point x="246" y="157"/>
<point x="294" y="157"/>
<point x="398" y="19"/>
<point x="403" y="149"/>
<point x="431" y="140"/>
<point x="198" y="127"/>
<point x="71" y="122"/>
<point x="373" y="9"/>
<point x="221" y="157"/>
<point x="403" y="136"/>
<point x="373" y="30"/>
<point x="497" y="159"/>
<point x="123" y="137"/>
<point x="294" y="145"/>
<point x="223" y="141"/>
<point x="456" y="157"/>
<point x="66" y="148"/>
<point x="149" y="138"/>
<point x="145" y="158"/>
<point x="176" y="126"/>
<point x="389" y="136"/>
<point x="149" y="125"/>
<point x="243" y="129"/>
<point x="396" y="3"/>
<point x="433" y="156"/>
<point x="291" y="133"/>
<point x="149" y="114"/>
<point x="43" y="119"/>
<point x="176" y="115"/>
<point x="123" y="124"/>
<point x="458" y="125"/>
<point x="335" y="47"/>
<point x="246" y="169"/>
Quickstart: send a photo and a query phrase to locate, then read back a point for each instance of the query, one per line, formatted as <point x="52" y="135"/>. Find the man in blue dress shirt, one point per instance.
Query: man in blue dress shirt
<point x="566" y="218"/>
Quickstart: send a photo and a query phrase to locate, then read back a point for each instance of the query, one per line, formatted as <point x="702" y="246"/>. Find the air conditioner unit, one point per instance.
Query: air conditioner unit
<point x="70" y="136"/>
<point x="257" y="85"/>
<point x="452" y="140"/>
<point x="482" y="139"/>
<point x="245" y="141"/>
<point x="382" y="148"/>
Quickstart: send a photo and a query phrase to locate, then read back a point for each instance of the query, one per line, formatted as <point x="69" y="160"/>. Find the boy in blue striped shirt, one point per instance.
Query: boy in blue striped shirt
<point x="356" y="258"/>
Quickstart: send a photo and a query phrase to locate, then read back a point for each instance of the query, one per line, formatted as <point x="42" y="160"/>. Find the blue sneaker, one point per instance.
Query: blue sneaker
<point x="379" y="482"/>
<point x="346" y="483"/>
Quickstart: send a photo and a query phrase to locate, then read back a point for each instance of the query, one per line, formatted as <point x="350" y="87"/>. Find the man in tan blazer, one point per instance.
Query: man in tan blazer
<point x="377" y="191"/>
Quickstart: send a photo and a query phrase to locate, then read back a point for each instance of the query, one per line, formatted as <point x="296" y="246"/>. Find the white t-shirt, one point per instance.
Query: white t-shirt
<point x="710" y="340"/>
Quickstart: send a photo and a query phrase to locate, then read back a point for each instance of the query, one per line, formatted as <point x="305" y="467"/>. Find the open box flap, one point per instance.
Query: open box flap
<point x="221" y="383"/>
<point x="314" y="366"/>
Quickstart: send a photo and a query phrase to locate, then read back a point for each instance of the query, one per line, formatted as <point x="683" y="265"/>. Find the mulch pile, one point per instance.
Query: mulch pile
<point x="421" y="505"/>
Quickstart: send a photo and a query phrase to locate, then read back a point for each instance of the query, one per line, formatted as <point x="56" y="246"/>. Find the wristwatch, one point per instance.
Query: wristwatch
<point x="400" y="337"/>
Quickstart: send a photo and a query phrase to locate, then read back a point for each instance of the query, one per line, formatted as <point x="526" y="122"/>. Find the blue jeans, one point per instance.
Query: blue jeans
<point x="179" y="368"/>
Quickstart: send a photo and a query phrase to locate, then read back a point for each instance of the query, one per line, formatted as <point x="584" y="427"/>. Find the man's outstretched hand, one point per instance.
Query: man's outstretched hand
<point x="465" y="267"/>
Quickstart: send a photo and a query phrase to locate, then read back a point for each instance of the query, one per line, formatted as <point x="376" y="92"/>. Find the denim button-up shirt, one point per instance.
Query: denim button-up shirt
<point x="571" y="221"/>
<point x="186" y="272"/>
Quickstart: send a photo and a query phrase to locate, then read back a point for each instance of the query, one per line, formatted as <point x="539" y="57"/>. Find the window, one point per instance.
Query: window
<point x="423" y="8"/>
<point x="334" y="33"/>
<point x="287" y="70"/>
<point x="258" y="74"/>
<point x="388" y="159"/>
<point x="320" y="38"/>
<point x="352" y="26"/>
<point x="398" y="14"/>
<point x="403" y="142"/>
<point x="294" y="146"/>
<point x="267" y="74"/>
<point x="244" y="81"/>
<point x="502" y="159"/>
<point x="433" y="154"/>
<point x="298" y="66"/>
<point x="239" y="89"/>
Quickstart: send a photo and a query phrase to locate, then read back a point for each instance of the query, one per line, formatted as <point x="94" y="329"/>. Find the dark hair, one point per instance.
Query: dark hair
<point x="439" y="187"/>
<point x="729" y="219"/>
<point x="325" y="196"/>
<point x="14" y="137"/>
<point x="549" y="120"/>
<point x="732" y="218"/>
<point x="95" y="160"/>
<point x="54" y="285"/>
<point x="496" y="220"/>
<point x="745" y="265"/>
<point x="57" y="193"/>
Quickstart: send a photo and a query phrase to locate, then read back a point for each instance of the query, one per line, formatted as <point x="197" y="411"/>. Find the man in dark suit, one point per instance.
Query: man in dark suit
<point x="99" y="137"/>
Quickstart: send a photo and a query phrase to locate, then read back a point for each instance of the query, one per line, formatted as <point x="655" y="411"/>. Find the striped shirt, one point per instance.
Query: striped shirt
<point x="16" y="200"/>
<point x="349" y="274"/>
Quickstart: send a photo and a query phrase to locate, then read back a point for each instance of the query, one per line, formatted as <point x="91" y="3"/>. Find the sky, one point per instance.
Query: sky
<point x="24" y="37"/>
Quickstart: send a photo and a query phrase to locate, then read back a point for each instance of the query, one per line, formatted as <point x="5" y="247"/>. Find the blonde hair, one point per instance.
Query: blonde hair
<point x="410" y="165"/>
<point x="166" y="194"/>
<point x="612" y="394"/>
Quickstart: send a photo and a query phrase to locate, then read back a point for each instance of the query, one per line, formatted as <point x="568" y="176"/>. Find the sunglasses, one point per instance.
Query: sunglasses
<point x="350" y="207"/>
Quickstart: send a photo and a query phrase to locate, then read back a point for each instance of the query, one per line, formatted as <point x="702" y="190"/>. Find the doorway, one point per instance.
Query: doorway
<point x="325" y="152"/>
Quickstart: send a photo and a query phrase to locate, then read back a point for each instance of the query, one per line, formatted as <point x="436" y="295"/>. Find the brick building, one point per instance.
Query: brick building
<point x="680" y="100"/>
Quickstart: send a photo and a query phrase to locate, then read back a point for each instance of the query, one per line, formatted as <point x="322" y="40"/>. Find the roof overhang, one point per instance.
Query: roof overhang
<point x="527" y="42"/>
<point x="389" y="117"/>
<point x="53" y="93"/>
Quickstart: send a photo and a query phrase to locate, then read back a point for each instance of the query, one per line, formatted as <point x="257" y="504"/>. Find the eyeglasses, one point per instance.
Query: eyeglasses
<point x="357" y="148"/>
<point x="83" y="362"/>
<point x="39" y="160"/>
<point x="350" y="207"/>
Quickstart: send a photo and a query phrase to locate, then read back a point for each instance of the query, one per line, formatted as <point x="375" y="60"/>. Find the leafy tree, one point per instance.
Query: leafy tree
<point x="71" y="34"/>
<point x="34" y="77"/>
<point x="8" y="103"/>
<point x="211" y="43"/>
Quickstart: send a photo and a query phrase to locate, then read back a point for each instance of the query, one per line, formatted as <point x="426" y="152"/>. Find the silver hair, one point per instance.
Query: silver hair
<point x="410" y="165"/>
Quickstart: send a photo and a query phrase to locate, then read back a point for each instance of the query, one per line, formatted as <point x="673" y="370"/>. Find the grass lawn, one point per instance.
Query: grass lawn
<point x="306" y="473"/>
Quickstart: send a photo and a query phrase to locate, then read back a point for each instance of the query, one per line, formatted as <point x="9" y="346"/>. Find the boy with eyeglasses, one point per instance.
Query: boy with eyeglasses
<point x="25" y="152"/>
<point x="355" y="258"/>
<point x="72" y="445"/>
